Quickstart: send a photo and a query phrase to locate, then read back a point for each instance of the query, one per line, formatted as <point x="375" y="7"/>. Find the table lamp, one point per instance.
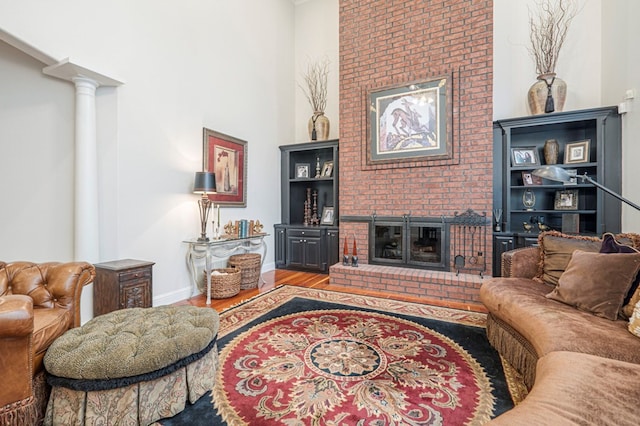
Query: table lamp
<point x="205" y="183"/>
<point x="558" y="174"/>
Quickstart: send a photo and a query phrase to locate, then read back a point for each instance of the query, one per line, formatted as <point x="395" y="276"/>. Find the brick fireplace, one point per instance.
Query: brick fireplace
<point x="386" y="44"/>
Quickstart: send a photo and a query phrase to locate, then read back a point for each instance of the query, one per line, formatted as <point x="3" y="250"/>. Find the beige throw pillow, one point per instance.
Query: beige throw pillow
<point x="597" y="282"/>
<point x="634" y="321"/>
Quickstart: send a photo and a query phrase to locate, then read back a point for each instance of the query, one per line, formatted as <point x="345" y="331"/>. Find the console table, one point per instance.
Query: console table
<point x="219" y="249"/>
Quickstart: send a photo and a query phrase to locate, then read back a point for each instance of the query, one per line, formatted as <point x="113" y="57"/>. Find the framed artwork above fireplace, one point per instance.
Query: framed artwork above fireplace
<point x="410" y="122"/>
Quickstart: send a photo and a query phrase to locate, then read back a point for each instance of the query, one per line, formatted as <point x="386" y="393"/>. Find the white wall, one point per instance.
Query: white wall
<point x="514" y="70"/>
<point x="316" y="38"/>
<point x="227" y="66"/>
<point x="621" y="72"/>
<point x="599" y="62"/>
<point x="36" y="160"/>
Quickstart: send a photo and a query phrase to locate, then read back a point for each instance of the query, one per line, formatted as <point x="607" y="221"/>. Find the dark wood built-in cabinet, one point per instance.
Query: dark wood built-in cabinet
<point x="299" y="246"/>
<point x="121" y="284"/>
<point x="595" y="211"/>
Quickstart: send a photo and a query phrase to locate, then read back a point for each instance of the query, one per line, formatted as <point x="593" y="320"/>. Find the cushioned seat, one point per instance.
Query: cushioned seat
<point x="550" y="326"/>
<point x="565" y="395"/>
<point x="132" y="366"/>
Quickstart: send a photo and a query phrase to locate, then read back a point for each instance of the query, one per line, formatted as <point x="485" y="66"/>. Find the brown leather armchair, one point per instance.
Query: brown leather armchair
<point x="38" y="303"/>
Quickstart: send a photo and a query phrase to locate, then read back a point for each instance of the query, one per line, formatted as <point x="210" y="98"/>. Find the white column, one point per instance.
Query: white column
<point x="87" y="231"/>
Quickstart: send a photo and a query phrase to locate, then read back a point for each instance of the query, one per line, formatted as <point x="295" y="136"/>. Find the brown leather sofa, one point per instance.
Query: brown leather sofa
<point x="580" y="368"/>
<point x="38" y="303"/>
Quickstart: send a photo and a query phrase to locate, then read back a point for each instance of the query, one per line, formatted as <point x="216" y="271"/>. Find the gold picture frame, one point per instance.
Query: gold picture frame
<point x="577" y="152"/>
<point x="566" y="199"/>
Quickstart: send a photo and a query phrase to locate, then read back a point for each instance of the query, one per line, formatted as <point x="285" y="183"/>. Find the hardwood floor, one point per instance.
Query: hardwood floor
<point x="271" y="279"/>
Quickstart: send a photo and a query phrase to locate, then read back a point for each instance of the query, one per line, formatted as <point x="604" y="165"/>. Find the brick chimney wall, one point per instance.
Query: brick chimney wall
<point x="389" y="43"/>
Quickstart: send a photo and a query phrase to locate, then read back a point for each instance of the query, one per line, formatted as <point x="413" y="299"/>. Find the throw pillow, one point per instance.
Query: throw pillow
<point x="627" y="310"/>
<point x="555" y="252"/>
<point x="611" y="245"/>
<point x="597" y="282"/>
<point x="634" y="321"/>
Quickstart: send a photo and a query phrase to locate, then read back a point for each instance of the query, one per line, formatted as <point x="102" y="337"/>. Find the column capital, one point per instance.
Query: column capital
<point x="67" y="70"/>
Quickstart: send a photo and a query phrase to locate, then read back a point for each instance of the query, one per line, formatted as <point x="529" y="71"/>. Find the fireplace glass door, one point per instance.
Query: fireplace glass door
<point x="415" y="243"/>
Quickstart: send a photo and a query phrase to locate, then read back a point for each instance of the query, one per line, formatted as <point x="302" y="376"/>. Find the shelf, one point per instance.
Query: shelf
<point x="564" y="166"/>
<point x="553" y="186"/>
<point x="555" y="211"/>
<point x="307" y="180"/>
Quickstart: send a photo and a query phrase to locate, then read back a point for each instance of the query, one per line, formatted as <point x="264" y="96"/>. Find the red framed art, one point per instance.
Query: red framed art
<point x="226" y="156"/>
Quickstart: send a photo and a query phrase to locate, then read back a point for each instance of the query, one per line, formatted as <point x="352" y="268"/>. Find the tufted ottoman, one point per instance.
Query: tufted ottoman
<point x="132" y="366"/>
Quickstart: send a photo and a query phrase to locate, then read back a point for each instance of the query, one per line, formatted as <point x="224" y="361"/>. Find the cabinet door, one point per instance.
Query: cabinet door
<point x="295" y="251"/>
<point x="313" y="254"/>
<point x="501" y="244"/>
<point x="135" y="294"/>
<point x="280" y="246"/>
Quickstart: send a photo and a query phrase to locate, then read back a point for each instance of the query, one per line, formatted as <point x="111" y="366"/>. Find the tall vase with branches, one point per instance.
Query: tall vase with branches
<point x="315" y="90"/>
<point x="549" y="25"/>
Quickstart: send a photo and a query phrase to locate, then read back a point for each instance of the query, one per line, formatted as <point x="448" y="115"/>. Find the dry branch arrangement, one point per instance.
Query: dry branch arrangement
<point x="549" y="26"/>
<point x="315" y="79"/>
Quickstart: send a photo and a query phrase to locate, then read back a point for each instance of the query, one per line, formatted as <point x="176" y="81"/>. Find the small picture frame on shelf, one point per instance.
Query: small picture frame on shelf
<point x="577" y="152"/>
<point x="529" y="179"/>
<point x="327" y="216"/>
<point x="566" y="199"/>
<point x="302" y="170"/>
<point x="327" y="169"/>
<point x="525" y="156"/>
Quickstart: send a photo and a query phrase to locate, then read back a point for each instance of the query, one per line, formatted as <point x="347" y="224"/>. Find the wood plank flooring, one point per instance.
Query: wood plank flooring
<point x="271" y="279"/>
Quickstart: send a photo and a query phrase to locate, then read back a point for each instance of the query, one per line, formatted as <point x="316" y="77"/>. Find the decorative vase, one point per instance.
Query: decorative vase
<point x="318" y="127"/>
<point x="551" y="149"/>
<point x="548" y="94"/>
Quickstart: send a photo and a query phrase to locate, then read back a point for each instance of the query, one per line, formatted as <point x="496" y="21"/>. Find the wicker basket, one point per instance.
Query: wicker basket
<point x="223" y="286"/>
<point x="249" y="265"/>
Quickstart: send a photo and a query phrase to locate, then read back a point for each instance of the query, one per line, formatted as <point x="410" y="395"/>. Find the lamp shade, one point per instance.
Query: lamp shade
<point x="555" y="173"/>
<point x="205" y="183"/>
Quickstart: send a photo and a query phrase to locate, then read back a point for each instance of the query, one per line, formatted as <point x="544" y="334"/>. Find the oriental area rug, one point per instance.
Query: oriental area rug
<point x="300" y="356"/>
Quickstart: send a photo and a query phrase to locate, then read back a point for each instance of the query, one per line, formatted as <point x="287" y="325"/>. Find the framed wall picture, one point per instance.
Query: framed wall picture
<point x="327" y="216"/>
<point x="577" y="152"/>
<point x="226" y="156"/>
<point x="327" y="169"/>
<point x="566" y="199"/>
<point x="525" y="156"/>
<point x="302" y="170"/>
<point x="410" y="122"/>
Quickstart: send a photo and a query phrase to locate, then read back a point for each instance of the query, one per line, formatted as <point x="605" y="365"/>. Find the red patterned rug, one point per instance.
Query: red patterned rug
<point x="298" y="356"/>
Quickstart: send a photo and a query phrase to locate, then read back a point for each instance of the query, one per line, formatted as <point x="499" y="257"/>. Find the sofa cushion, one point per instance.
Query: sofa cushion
<point x="579" y="389"/>
<point x="597" y="282"/>
<point x="555" y="253"/>
<point x="553" y="326"/>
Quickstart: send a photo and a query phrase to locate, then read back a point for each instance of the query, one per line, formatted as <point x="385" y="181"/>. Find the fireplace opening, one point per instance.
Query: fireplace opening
<point x="419" y="242"/>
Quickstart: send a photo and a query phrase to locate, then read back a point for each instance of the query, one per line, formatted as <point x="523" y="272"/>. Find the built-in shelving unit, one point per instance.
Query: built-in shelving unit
<point x="590" y="211"/>
<point x="298" y="244"/>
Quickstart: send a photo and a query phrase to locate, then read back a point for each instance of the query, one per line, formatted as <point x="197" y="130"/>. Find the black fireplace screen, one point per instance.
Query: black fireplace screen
<point x="426" y="243"/>
<point x="407" y="241"/>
